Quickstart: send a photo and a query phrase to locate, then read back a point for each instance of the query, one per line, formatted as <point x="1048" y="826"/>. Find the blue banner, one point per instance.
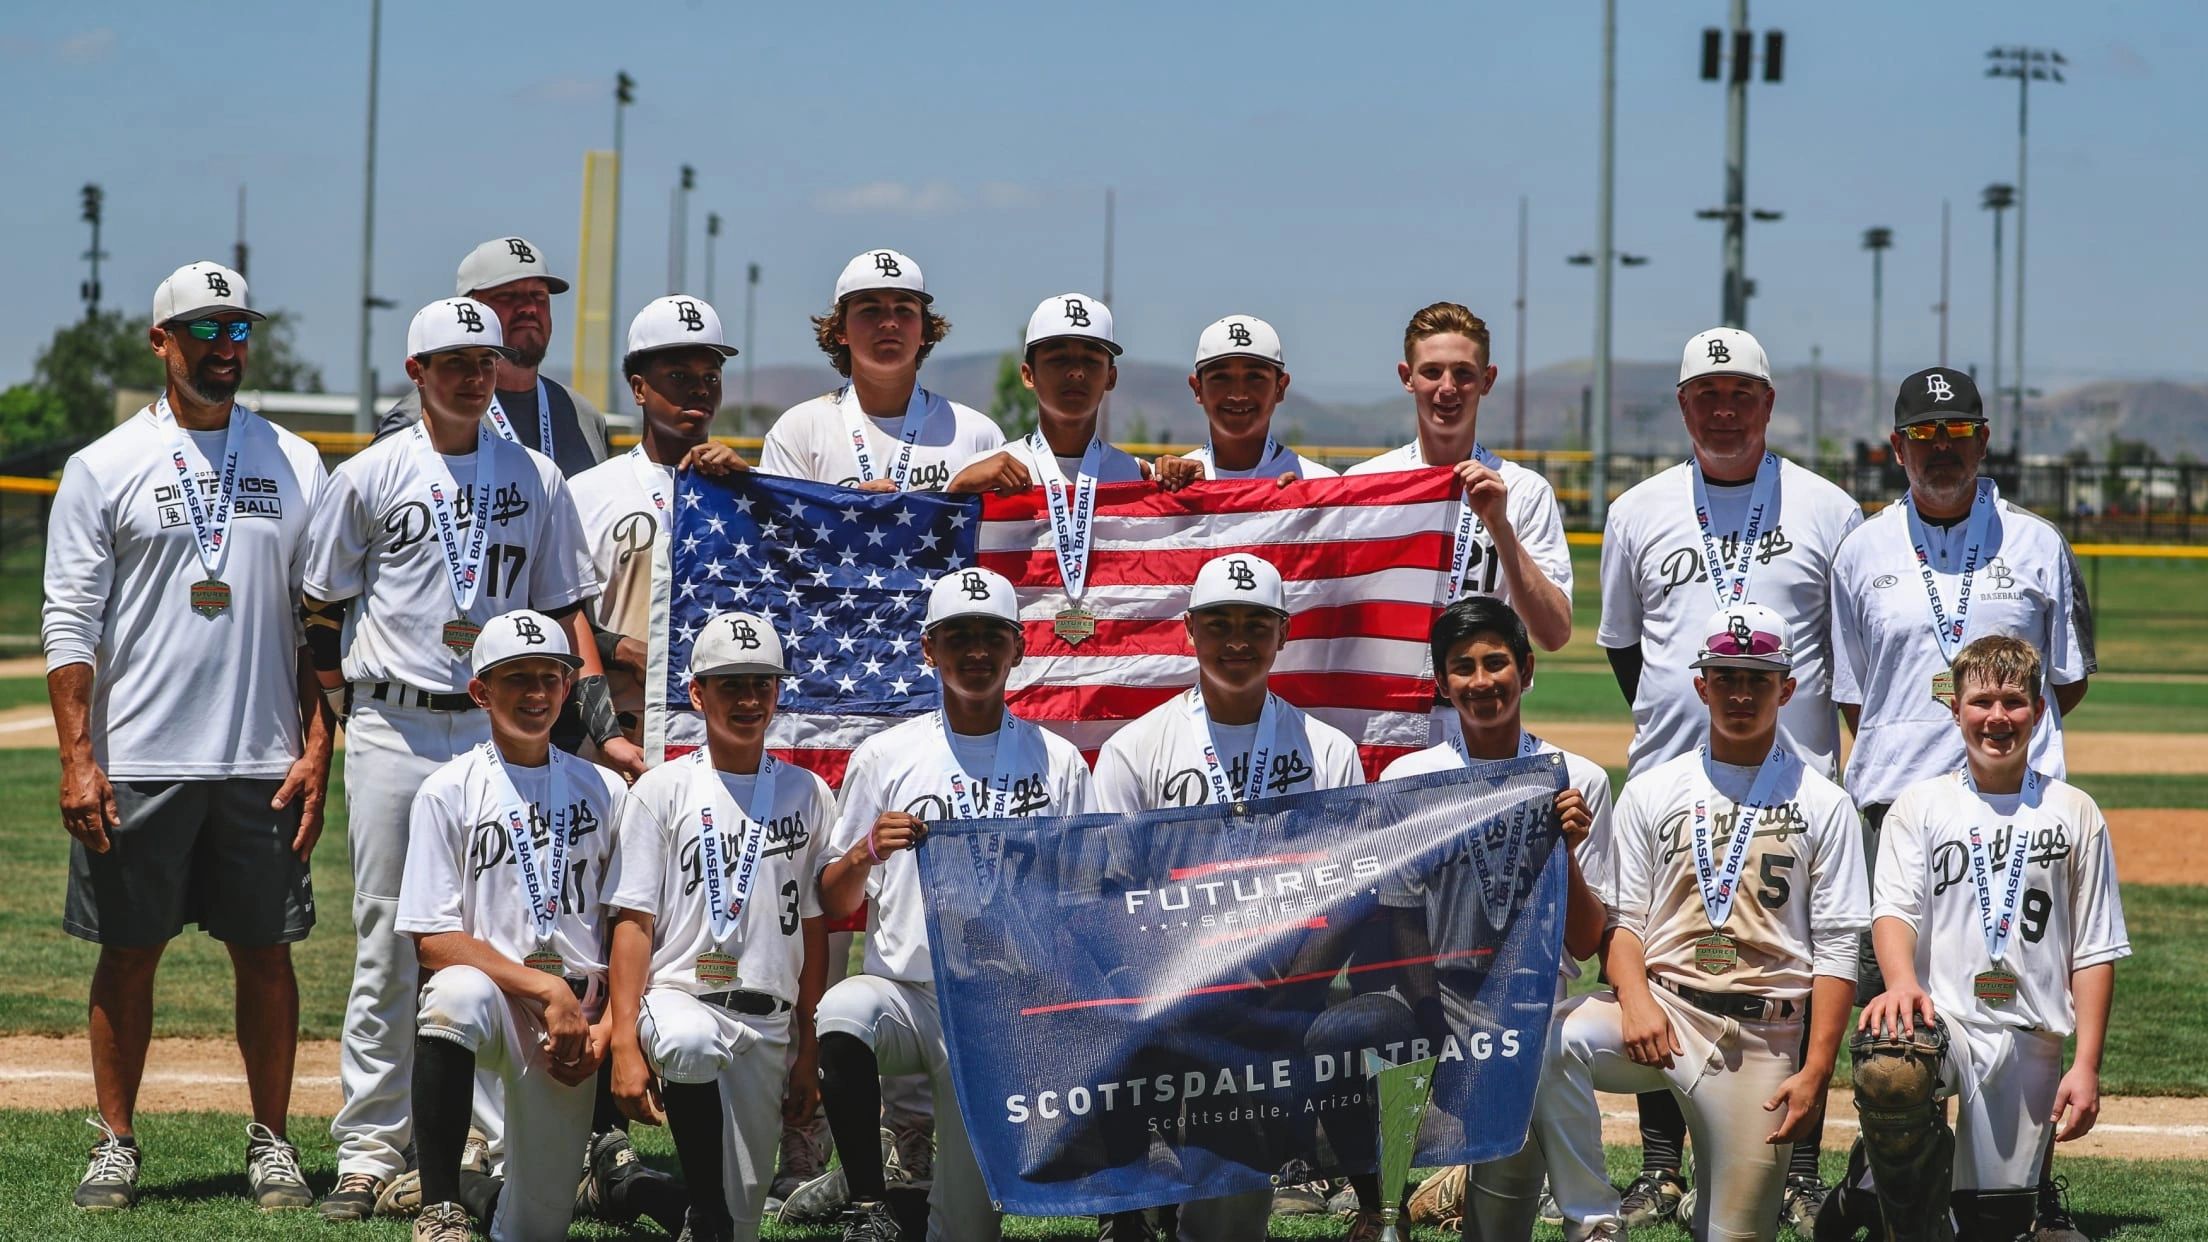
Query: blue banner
<point x="1175" y="1005"/>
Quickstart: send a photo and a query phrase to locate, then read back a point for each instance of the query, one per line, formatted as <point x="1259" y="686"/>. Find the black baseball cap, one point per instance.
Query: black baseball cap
<point x="1936" y="393"/>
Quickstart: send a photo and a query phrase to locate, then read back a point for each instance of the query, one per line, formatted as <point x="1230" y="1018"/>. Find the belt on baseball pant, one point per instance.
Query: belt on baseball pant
<point x="579" y="985"/>
<point x="400" y="694"/>
<point x="1734" y="1005"/>
<point x="745" y="1001"/>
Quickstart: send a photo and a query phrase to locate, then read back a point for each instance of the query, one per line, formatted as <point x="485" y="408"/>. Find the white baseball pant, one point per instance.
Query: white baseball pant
<point x="1999" y="1124"/>
<point x="548" y="1121"/>
<point x="389" y="752"/>
<point x="900" y="1022"/>
<point x="1722" y="1081"/>
<point x="685" y="1040"/>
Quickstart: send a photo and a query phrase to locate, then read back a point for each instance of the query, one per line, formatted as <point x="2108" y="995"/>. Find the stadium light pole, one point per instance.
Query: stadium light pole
<point x="364" y="413"/>
<point x="751" y="305"/>
<point x="1940" y="308"/>
<point x="1998" y="198"/>
<point x="95" y="199"/>
<point x="1518" y="387"/>
<point x="678" y="232"/>
<point x="624" y="94"/>
<point x="1598" y="465"/>
<point x="1816" y="403"/>
<point x="712" y="233"/>
<point x="1735" y="213"/>
<point x="1877" y="241"/>
<point x="2027" y="65"/>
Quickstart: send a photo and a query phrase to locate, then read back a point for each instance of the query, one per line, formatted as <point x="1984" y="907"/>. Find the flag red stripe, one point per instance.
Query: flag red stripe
<point x="1139" y="500"/>
<point x="1169" y="635"/>
<point x="1177" y="566"/>
<point x="1368" y="691"/>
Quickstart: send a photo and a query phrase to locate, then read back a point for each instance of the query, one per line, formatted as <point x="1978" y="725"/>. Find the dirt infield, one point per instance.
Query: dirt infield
<point x="2160" y="846"/>
<point x="2099" y="754"/>
<point x="43" y="1072"/>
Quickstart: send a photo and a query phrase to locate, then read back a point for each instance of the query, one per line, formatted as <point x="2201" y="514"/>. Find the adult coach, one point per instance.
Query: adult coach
<point x="426" y="535"/>
<point x="194" y="749"/>
<point x="1735" y="523"/>
<point x="1509" y="533"/>
<point x="881" y="431"/>
<point x="1240" y="377"/>
<point x="509" y="275"/>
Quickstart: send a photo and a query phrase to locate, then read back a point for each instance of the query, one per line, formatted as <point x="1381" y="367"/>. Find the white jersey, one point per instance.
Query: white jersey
<point x="812" y="440"/>
<point x="1597" y="854"/>
<point x="1801" y="888"/>
<point x="1884" y="653"/>
<point x="1282" y="460"/>
<point x="907" y="768"/>
<point x="1531" y="504"/>
<point x="1656" y="595"/>
<point x="625" y="505"/>
<point x="175" y="694"/>
<point x="462" y="873"/>
<point x="376" y="537"/>
<point x="2069" y="916"/>
<point x="1114" y="465"/>
<point x="659" y="871"/>
<point x="1158" y="759"/>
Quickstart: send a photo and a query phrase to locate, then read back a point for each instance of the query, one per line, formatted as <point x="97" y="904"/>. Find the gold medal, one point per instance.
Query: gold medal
<point x="1995" y="987"/>
<point x="460" y="636"/>
<point x="545" y="958"/>
<point x="1716" y="953"/>
<point x="210" y="597"/>
<point x="1074" y="624"/>
<point x="716" y="969"/>
<point x="1943" y="687"/>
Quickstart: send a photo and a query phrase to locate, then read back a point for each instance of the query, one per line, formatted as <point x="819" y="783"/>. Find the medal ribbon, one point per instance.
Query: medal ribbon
<point x="1720" y="884"/>
<point x="1949" y="630"/>
<point x="1470" y="530"/>
<point x="970" y="801"/>
<point x="543" y="891"/>
<point x="1998" y="922"/>
<point x="1210" y="456"/>
<point x="1497" y="903"/>
<point x="1731" y="587"/>
<point x="505" y="425"/>
<point x="918" y="410"/>
<point x="1070" y="518"/>
<point x="1261" y="749"/>
<point x="649" y="477"/>
<point x="1528" y="744"/>
<point x="724" y="908"/>
<point x="212" y="531"/>
<point x="463" y="564"/>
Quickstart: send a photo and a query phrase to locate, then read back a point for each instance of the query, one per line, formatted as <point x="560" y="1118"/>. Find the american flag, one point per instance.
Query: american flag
<point x="844" y="574"/>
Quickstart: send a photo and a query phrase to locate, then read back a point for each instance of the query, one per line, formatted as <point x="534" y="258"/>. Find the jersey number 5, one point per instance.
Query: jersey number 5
<point x="1775" y="888"/>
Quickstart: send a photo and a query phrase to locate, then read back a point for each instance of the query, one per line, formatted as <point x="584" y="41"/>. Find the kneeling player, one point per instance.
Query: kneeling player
<point x="2027" y="957"/>
<point x="505" y="862"/>
<point x="970" y="759"/>
<point x="719" y="952"/>
<point x="1738" y="898"/>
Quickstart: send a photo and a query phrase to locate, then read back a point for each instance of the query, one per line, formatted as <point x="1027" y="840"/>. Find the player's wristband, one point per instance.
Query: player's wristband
<point x="594" y="699"/>
<point x="870" y="850"/>
<point x="335" y="697"/>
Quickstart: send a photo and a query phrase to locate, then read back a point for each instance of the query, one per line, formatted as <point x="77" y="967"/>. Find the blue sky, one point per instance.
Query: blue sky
<point x="1329" y="167"/>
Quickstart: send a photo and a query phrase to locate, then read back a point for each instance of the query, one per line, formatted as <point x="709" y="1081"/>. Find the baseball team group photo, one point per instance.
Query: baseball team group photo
<point x="727" y="764"/>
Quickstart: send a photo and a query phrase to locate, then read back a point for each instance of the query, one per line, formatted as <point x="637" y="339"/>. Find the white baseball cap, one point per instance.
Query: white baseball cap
<point x="197" y="290"/>
<point x="520" y="635"/>
<point x="1071" y="314"/>
<point x="1724" y="351"/>
<point x="677" y="321"/>
<point x="1238" y="578"/>
<point x="1747" y="636"/>
<point x="971" y="593"/>
<point x="455" y="323"/>
<point x="1239" y="336"/>
<point x="503" y="260"/>
<point x="881" y="269"/>
<point x="740" y="643"/>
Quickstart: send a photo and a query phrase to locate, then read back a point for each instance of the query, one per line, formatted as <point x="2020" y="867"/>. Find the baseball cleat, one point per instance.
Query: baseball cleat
<point x="272" y="1171"/>
<point x="354" y="1198"/>
<point x="1654" y="1196"/>
<point x="110" y="1182"/>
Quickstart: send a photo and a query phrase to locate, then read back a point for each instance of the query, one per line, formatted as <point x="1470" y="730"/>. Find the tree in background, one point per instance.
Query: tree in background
<point x="1013" y="404"/>
<point x="73" y="385"/>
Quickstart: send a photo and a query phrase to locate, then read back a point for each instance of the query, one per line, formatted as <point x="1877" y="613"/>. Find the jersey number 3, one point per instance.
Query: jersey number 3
<point x="789" y="907"/>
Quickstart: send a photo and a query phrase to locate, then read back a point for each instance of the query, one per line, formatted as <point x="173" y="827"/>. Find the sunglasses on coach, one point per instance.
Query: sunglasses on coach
<point x="1951" y="428"/>
<point x="210" y="329"/>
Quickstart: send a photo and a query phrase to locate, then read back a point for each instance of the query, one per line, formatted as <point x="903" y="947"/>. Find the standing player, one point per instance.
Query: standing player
<point x="1738" y="898"/>
<point x="506" y="862"/>
<point x="405" y="534"/>
<point x="969" y="759"/>
<point x="508" y="274"/>
<point x="881" y="432"/>
<point x="1239" y="379"/>
<point x="719" y="951"/>
<point x="1736" y="522"/>
<point x="1226" y="740"/>
<point x="194" y="749"/>
<point x="2010" y="872"/>
<point x="1509" y="536"/>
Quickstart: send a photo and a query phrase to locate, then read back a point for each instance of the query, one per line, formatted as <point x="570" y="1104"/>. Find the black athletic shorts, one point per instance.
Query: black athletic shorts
<point x="210" y="852"/>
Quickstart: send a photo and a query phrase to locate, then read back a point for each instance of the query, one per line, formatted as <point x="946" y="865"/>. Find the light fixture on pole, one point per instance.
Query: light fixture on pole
<point x="2027" y="65"/>
<point x="1736" y="70"/>
<point x="678" y="232"/>
<point x="1878" y="242"/>
<point x="95" y="199"/>
<point x="624" y="94"/>
<point x="1998" y="198"/>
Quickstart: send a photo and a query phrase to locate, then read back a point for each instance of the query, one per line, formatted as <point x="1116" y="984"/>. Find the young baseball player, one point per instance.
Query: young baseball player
<point x="509" y="275"/>
<point x="719" y="951"/>
<point x="1509" y="534"/>
<point x="427" y="535"/>
<point x="1737" y="900"/>
<point x="969" y="759"/>
<point x="194" y="745"/>
<point x="506" y="868"/>
<point x="1226" y="740"/>
<point x="1738" y="522"/>
<point x="881" y="432"/>
<point x="1239" y="379"/>
<point x="2010" y="873"/>
<point x="1483" y="664"/>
